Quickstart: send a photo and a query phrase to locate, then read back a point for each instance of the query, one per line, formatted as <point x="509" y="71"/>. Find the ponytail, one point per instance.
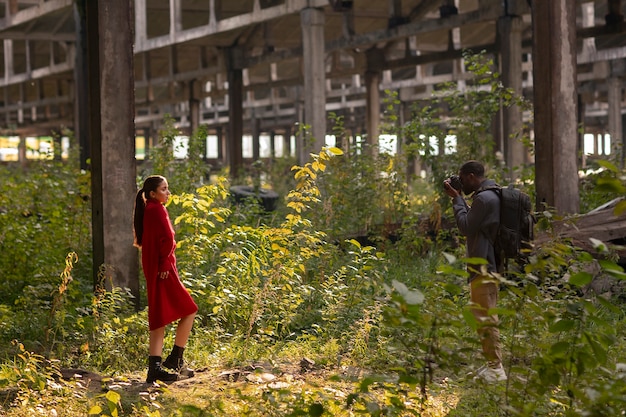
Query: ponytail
<point x="150" y="184"/>
<point x="140" y="206"/>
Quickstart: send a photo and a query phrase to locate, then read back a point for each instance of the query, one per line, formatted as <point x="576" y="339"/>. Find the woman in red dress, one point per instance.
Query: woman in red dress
<point x="168" y="299"/>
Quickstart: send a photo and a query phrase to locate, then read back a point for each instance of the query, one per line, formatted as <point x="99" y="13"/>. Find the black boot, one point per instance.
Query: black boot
<point x="175" y="361"/>
<point x="156" y="371"/>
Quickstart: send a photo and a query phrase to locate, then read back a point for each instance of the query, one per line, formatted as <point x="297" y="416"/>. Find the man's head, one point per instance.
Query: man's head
<point x="472" y="173"/>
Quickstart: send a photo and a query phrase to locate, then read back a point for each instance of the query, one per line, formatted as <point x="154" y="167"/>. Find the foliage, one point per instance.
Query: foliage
<point x="466" y="114"/>
<point x="385" y="322"/>
<point x="184" y="174"/>
<point x="263" y="276"/>
<point x="603" y="182"/>
<point x="31" y="378"/>
<point x="365" y="192"/>
<point x="45" y="213"/>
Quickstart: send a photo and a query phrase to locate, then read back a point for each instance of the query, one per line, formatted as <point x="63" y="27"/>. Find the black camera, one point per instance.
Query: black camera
<point x="455" y="182"/>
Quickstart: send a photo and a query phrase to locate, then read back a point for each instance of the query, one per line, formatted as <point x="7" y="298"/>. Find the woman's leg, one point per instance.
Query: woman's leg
<point x="183" y="329"/>
<point x="175" y="358"/>
<point x="155" y="370"/>
<point x="156" y="341"/>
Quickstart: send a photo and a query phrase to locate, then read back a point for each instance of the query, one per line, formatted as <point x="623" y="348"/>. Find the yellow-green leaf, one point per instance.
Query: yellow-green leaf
<point x="95" y="410"/>
<point x="335" y="151"/>
<point x="113" y="397"/>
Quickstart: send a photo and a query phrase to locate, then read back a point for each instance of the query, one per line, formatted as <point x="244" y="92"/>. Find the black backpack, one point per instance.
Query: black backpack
<point x="515" y="233"/>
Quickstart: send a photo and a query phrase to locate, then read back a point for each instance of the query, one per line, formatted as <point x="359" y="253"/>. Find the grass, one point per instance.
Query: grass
<point x="259" y="389"/>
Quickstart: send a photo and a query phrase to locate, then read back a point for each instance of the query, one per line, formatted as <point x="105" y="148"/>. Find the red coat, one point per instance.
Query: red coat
<point x="168" y="299"/>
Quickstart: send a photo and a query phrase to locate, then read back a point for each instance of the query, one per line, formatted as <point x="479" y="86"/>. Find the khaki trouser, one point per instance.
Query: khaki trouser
<point x="484" y="296"/>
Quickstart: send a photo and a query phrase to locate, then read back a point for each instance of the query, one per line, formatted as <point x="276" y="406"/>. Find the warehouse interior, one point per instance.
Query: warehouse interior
<point x="110" y="71"/>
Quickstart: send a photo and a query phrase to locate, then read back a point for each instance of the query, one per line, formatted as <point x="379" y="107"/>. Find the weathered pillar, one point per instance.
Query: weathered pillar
<point x="81" y="113"/>
<point x="21" y="152"/>
<point x="510" y="45"/>
<point x="287" y="141"/>
<point x="312" y="21"/>
<point x="114" y="148"/>
<point x="194" y="109"/>
<point x="256" y="137"/>
<point x="623" y="139"/>
<point x="554" y="75"/>
<point x="273" y="145"/>
<point x="235" y="113"/>
<point x="221" y="145"/>
<point x="614" y="16"/>
<point x="580" y="116"/>
<point x="373" y="74"/>
<point x="147" y="140"/>
<point x="614" y="85"/>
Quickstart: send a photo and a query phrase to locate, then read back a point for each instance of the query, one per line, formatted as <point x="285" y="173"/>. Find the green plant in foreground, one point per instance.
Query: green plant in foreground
<point x="31" y="377"/>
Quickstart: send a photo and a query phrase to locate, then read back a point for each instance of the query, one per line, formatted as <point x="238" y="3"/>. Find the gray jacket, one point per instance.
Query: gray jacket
<point x="479" y="224"/>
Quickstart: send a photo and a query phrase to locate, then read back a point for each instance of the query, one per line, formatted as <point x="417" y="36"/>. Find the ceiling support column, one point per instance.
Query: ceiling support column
<point x="21" y="152"/>
<point x="312" y="21"/>
<point x="221" y="145"/>
<point x="81" y="111"/>
<point x="375" y="60"/>
<point x="510" y="46"/>
<point x="614" y="84"/>
<point x="147" y="133"/>
<point x="114" y="167"/>
<point x="234" y="152"/>
<point x="272" y="145"/>
<point x="614" y="17"/>
<point x="256" y="136"/>
<point x="194" y="108"/>
<point x="554" y="74"/>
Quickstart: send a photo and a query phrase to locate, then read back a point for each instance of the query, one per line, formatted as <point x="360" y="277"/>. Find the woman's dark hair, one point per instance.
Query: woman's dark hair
<point x="150" y="184"/>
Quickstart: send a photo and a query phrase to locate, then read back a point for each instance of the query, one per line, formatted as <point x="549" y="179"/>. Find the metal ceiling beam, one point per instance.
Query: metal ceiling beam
<point x="33" y="13"/>
<point x="38" y="36"/>
<point x="142" y="43"/>
<point x="382" y="36"/>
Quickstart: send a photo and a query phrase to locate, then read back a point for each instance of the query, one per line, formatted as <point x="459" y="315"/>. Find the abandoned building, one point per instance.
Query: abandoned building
<point x="109" y="71"/>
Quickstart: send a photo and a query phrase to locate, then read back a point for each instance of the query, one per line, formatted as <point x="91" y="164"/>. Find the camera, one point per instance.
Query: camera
<point x="455" y="182"/>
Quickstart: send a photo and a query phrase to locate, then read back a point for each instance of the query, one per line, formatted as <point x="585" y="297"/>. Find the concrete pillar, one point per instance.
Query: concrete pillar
<point x="615" y="16"/>
<point x="273" y="145"/>
<point x="623" y="139"/>
<point x="581" y="132"/>
<point x="221" y="145"/>
<point x="57" y="146"/>
<point x="21" y="152"/>
<point x="554" y="74"/>
<point x="312" y="21"/>
<point x="147" y="135"/>
<point x="287" y="141"/>
<point x="95" y="135"/>
<point x="256" y="139"/>
<point x="81" y="115"/>
<point x="615" y="88"/>
<point x="375" y="60"/>
<point x="116" y="170"/>
<point x="510" y="45"/>
<point x="194" y="109"/>
<point x="234" y="151"/>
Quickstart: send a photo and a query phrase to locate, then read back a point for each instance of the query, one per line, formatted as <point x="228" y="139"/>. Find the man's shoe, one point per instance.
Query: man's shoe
<point x="491" y="374"/>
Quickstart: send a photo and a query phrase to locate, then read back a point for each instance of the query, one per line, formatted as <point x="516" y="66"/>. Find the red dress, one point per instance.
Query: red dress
<point x="168" y="299"/>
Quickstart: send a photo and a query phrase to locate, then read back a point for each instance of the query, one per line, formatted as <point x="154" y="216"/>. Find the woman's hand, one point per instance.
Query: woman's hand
<point x="164" y="275"/>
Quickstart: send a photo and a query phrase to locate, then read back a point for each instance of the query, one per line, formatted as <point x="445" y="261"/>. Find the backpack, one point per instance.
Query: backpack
<point x="515" y="233"/>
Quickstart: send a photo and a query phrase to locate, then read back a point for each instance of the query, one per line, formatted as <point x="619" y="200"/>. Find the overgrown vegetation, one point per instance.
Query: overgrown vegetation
<point x="351" y="295"/>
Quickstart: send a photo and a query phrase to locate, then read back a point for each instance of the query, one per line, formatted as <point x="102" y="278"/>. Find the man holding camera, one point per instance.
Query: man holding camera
<point x="479" y="224"/>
